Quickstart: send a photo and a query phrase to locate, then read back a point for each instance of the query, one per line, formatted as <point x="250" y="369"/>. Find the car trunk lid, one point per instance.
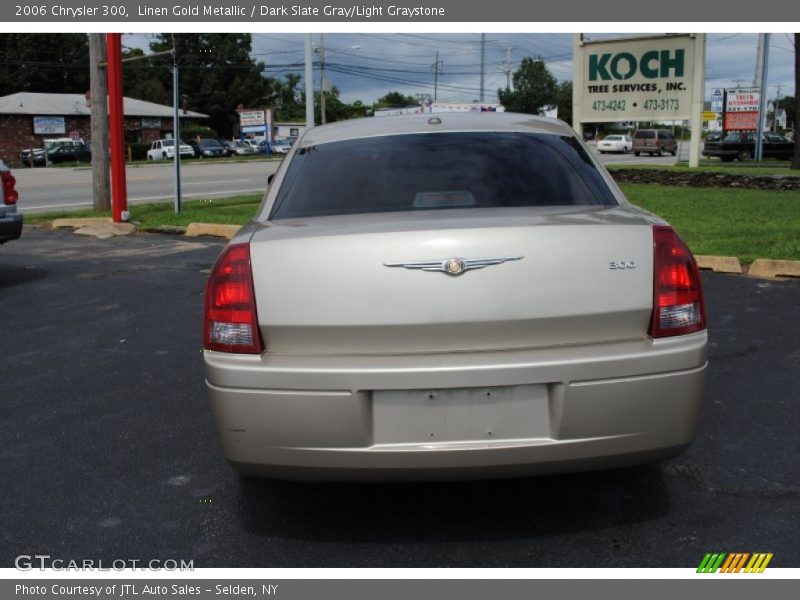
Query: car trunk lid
<point x="584" y="275"/>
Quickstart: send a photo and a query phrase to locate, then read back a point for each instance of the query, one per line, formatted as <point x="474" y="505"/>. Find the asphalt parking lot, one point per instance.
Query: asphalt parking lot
<point x="108" y="450"/>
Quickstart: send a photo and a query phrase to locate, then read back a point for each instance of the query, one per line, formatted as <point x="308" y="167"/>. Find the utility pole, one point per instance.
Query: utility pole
<point x="176" y="130"/>
<point x="98" y="96"/>
<point x="775" y="108"/>
<point x="435" y="66"/>
<point x="759" y="61"/>
<point x="309" y="83"/>
<point x="322" y="78"/>
<point x="483" y="62"/>
<point x="762" y="97"/>
<point x="507" y="66"/>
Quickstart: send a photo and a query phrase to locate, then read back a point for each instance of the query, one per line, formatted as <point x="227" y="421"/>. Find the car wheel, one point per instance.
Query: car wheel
<point x="164" y="156"/>
<point x="744" y="155"/>
<point x="602" y="151"/>
<point x="660" y="151"/>
<point x="726" y="158"/>
<point x="624" y="149"/>
<point x="674" y="153"/>
<point x="636" y="153"/>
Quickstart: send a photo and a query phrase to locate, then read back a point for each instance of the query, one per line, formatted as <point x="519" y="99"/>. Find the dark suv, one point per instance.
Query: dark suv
<point x="654" y="141"/>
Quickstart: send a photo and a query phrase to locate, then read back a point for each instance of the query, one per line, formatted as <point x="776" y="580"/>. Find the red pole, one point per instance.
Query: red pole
<point x="116" y="125"/>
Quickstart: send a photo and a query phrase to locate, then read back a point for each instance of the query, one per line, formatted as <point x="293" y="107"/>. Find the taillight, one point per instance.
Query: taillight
<point x="678" y="306"/>
<point x="10" y="195"/>
<point x="231" y="323"/>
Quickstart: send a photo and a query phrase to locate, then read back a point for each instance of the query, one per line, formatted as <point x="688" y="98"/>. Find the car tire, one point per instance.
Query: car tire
<point x="674" y="153"/>
<point x="744" y="155"/>
<point x="726" y="158"/>
<point x="602" y="151"/>
<point x="636" y="153"/>
<point x="164" y="156"/>
<point x="660" y="151"/>
<point x="624" y="149"/>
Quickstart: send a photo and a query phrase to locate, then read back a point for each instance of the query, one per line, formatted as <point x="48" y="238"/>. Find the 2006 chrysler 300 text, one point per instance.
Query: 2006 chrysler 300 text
<point x="447" y="297"/>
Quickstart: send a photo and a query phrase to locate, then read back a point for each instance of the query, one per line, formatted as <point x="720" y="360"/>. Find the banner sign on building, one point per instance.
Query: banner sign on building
<point x="49" y="125"/>
<point x="151" y="123"/>
<point x="638" y="79"/>
<point x="742" y="101"/>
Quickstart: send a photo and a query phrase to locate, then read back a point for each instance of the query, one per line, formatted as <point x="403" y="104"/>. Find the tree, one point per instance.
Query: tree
<point x="796" y="138"/>
<point x="396" y="100"/>
<point x="287" y="98"/>
<point x="141" y="78"/>
<point x="564" y="101"/>
<point x="335" y="109"/>
<point x="217" y="74"/>
<point x="44" y="62"/>
<point x="534" y="88"/>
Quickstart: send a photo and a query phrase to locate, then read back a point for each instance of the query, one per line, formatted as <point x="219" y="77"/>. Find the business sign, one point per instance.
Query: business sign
<point x="742" y="101"/>
<point x="151" y="123"/>
<point x="741" y="121"/>
<point x="49" y="125"/>
<point x="252" y="118"/>
<point x="257" y="121"/>
<point x="709" y="115"/>
<point x="641" y="79"/>
<point x="716" y="100"/>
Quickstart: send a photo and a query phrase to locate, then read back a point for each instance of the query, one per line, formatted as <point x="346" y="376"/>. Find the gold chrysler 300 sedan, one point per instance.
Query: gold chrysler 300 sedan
<point x="451" y="296"/>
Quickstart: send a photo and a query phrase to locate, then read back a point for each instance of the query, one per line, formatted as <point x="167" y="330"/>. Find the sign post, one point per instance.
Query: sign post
<point x="649" y="78"/>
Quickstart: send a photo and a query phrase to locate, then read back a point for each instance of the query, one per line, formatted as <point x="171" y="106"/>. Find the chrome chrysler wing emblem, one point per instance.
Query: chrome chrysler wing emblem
<point x="454" y="266"/>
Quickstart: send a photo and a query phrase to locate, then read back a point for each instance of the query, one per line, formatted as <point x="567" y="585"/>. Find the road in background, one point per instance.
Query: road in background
<point x="60" y="188"/>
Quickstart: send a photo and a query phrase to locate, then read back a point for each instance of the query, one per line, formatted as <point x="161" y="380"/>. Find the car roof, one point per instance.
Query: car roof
<point x="424" y="123"/>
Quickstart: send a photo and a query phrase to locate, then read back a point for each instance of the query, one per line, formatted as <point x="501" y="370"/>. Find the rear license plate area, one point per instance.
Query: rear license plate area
<point x="460" y="414"/>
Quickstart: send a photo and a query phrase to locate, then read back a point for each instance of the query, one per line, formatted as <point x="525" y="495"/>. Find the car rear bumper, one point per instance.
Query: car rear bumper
<point x="10" y="227"/>
<point x="457" y="416"/>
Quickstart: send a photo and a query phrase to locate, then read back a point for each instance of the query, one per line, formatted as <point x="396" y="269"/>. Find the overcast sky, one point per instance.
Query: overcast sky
<point x="366" y="66"/>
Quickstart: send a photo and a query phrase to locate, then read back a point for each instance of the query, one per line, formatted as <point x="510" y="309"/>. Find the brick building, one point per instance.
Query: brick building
<point x="27" y="119"/>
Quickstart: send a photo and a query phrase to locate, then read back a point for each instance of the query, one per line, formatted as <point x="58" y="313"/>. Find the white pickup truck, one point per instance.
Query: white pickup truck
<point x="164" y="149"/>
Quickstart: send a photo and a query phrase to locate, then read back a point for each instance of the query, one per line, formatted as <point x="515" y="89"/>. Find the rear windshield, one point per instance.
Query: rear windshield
<point x="645" y="135"/>
<point x="439" y="171"/>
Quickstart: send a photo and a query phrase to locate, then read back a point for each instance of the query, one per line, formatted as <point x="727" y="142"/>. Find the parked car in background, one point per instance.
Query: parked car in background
<point x="70" y="153"/>
<point x="615" y="143"/>
<point x="36" y="156"/>
<point x="654" y="141"/>
<point x="446" y="312"/>
<point x="742" y="146"/>
<point x="164" y="149"/>
<point x="238" y="148"/>
<point x="207" y="148"/>
<point x="10" y="219"/>
<point x="281" y="147"/>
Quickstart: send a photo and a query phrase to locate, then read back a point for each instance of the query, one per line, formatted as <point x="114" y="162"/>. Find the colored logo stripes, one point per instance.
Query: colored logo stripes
<point x="714" y="562"/>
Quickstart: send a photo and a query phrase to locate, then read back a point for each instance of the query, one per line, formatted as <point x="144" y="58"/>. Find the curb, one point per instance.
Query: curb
<point x="767" y="268"/>
<point x="761" y="268"/>
<point x="80" y="222"/>
<point x="719" y="264"/>
<point x="212" y="229"/>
